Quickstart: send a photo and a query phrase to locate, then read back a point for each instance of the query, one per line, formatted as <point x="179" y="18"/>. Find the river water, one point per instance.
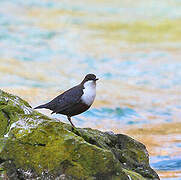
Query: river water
<point x="47" y="46"/>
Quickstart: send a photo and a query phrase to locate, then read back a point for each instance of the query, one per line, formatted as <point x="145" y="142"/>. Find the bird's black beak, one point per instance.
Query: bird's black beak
<point x="96" y="79"/>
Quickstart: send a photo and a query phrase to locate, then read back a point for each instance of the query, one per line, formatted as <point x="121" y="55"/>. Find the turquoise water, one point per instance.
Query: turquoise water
<point x="48" y="46"/>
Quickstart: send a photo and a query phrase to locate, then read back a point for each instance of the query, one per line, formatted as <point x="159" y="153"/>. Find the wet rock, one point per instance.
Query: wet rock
<point x="33" y="146"/>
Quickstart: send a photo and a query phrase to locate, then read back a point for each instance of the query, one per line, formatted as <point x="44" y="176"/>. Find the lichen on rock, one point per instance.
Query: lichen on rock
<point x="37" y="147"/>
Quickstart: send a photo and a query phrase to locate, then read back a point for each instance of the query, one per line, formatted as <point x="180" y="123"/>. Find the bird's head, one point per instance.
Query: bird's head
<point x="90" y="78"/>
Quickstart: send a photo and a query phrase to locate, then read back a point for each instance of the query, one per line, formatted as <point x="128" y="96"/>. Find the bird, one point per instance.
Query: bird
<point x="75" y="100"/>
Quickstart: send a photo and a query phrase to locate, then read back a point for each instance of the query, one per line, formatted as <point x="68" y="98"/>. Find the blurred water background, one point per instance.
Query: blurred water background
<point x="134" y="47"/>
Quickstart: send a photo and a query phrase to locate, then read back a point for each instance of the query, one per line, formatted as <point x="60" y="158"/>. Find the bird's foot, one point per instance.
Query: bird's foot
<point x="73" y="128"/>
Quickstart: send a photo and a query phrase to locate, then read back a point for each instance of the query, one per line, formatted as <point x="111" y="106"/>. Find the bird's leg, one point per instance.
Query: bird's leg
<point x="70" y="121"/>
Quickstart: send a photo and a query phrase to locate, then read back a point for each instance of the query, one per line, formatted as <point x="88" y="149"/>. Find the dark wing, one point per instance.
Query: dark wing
<point x="66" y="100"/>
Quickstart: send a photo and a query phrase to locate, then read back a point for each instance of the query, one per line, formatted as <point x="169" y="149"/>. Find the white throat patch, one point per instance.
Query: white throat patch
<point x="89" y="92"/>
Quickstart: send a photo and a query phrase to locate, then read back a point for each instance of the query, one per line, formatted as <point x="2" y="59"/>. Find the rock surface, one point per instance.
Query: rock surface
<point x="33" y="146"/>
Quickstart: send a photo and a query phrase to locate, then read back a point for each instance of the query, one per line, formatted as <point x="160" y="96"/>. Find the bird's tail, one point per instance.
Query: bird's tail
<point x="41" y="106"/>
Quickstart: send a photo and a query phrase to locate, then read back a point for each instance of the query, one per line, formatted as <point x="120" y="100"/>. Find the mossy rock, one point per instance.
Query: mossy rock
<point x="37" y="147"/>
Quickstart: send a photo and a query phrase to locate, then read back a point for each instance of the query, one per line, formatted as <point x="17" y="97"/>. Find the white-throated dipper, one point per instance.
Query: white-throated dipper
<point x="75" y="100"/>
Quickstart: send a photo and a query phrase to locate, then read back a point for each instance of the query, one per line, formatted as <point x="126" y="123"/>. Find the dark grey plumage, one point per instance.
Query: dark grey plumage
<point x="63" y="101"/>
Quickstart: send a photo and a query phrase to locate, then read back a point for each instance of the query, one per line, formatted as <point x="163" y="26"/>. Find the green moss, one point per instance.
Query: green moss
<point x="10" y="109"/>
<point x="95" y="137"/>
<point x="133" y="175"/>
<point x="2" y="174"/>
<point x="69" y="152"/>
<point x="2" y="143"/>
<point x="3" y="124"/>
